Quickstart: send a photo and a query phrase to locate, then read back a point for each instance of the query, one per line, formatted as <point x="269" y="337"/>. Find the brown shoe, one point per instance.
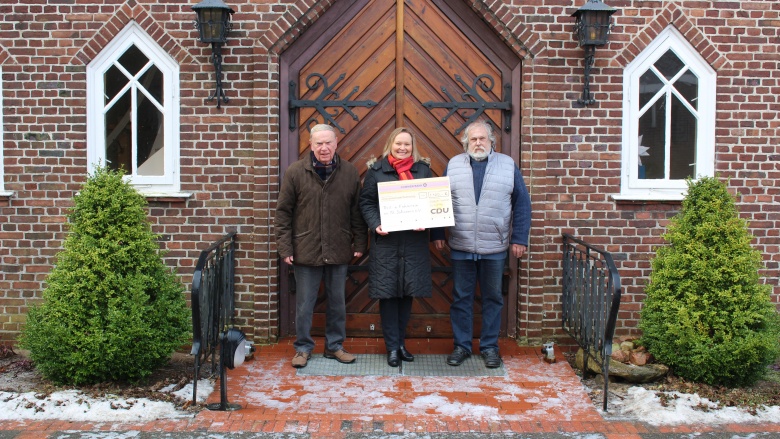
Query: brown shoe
<point x="340" y="355"/>
<point x="300" y="359"/>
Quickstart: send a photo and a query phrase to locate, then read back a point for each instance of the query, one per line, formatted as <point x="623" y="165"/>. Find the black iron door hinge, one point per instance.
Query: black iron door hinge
<point x="475" y="102"/>
<point x="314" y="81"/>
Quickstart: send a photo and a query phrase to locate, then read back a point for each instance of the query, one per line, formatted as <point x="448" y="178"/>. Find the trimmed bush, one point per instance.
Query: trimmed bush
<point x="112" y="310"/>
<point x="707" y="315"/>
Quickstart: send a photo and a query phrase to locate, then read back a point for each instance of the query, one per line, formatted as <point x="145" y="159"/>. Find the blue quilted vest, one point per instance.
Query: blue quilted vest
<point x="484" y="228"/>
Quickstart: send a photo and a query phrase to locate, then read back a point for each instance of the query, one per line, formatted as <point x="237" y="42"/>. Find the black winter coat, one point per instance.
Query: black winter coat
<point x="399" y="263"/>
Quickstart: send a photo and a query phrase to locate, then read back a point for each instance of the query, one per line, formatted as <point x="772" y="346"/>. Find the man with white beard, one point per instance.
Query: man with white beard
<point x="492" y="213"/>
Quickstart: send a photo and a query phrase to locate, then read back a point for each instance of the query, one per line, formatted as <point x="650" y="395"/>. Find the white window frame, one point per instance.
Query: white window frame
<point x="633" y="188"/>
<point x="169" y="183"/>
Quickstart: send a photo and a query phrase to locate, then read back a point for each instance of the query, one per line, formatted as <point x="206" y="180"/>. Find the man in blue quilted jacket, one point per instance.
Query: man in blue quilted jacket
<point x="492" y="216"/>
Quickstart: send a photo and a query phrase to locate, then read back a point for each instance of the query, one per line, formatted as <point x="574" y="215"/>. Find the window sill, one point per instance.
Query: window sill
<point x="5" y="196"/>
<point x="167" y="197"/>
<point x="648" y="198"/>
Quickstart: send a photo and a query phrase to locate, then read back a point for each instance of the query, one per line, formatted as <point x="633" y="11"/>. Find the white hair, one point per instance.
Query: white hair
<point x="488" y="127"/>
<point x="322" y="127"/>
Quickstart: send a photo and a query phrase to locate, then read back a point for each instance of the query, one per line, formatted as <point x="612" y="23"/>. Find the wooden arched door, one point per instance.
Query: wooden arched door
<point x="374" y="65"/>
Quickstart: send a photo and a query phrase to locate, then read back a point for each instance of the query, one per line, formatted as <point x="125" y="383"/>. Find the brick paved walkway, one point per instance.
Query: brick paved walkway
<point x="533" y="397"/>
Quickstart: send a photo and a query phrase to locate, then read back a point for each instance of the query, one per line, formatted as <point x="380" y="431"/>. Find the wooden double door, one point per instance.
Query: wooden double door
<point x="369" y="66"/>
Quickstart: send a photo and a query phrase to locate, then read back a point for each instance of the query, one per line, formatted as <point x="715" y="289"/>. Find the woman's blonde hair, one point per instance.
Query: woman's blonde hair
<point x="391" y="140"/>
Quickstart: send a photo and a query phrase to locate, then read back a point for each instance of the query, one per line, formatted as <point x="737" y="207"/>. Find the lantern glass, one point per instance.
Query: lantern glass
<point x="594" y="28"/>
<point x="213" y="24"/>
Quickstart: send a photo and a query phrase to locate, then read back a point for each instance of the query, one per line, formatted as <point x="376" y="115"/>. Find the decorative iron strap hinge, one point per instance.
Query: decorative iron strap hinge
<point x="473" y="100"/>
<point x="321" y="104"/>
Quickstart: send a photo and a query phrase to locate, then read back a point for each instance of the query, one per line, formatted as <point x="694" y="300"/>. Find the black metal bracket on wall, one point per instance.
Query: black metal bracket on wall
<point x="313" y="82"/>
<point x="586" y="98"/>
<point x="473" y="100"/>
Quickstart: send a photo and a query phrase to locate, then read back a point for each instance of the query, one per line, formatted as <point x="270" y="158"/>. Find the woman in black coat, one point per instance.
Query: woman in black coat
<point x="399" y="266"/>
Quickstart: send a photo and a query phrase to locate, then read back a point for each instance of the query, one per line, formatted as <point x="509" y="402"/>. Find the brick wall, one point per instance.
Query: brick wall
<point x="230" y="156"/>
<point x="577" y="150"/>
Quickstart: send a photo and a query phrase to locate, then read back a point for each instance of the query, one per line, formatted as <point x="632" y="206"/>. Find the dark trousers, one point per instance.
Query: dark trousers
<point x="395" y="314"/>
<point x="307" y="281"/>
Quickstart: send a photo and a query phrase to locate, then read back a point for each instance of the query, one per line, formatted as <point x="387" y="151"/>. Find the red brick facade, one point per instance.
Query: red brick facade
<point x="571" y="155"/>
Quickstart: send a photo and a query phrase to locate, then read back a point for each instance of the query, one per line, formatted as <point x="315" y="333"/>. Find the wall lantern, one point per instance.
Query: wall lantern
<point x="592" y="29"/>
<point x="232" y="352"/>
<point x="213" y="23"/>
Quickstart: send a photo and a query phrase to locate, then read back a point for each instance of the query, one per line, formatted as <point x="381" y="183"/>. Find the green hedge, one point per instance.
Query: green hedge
<point x="112" y="310"/>
<point x="707" y="314"/>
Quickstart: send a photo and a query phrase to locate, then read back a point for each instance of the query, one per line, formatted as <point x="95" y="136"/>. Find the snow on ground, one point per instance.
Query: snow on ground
<point x="639" y="404"/>
<point x="72" y="405"/>
<point x="682" y="408"/>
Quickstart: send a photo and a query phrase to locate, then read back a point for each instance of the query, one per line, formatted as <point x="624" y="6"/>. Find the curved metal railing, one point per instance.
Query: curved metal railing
<point x="590" y="301"/>
<point x="212" y="302"/>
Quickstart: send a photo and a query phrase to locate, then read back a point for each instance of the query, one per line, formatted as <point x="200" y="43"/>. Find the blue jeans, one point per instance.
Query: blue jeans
<point x="307" y="284"/>
<point x="488" y="272"/>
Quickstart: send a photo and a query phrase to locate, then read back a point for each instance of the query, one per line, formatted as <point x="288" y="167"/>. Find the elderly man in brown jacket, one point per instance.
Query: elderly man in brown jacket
<point x="319" y="229"/>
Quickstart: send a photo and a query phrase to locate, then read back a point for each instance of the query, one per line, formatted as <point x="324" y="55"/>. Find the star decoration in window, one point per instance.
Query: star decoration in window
<point x="642" y="150"/>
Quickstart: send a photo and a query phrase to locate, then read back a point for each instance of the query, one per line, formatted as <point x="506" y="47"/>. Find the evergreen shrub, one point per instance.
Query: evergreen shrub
<point x="111" y="310"/>
<point x="707" y="314"/>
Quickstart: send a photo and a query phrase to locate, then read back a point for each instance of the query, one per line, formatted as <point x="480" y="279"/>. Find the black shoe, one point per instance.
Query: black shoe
<point x="392" y="359"/>
<point x="492" y="359"/>
<point x="458" y="356"/>
<point x="405" y="355"/>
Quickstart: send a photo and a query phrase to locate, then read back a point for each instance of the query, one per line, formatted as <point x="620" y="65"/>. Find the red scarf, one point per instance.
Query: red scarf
<point x="402" y="166"/>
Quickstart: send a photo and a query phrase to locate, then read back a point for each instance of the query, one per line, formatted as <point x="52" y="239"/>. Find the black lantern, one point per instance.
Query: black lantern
<point x="213" y="25"/>
<point x="592" y="28"/>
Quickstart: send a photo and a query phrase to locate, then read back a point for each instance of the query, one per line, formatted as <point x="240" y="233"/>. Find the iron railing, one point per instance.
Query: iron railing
<point x="591" y="298"/>
<point x="212" y="302"/>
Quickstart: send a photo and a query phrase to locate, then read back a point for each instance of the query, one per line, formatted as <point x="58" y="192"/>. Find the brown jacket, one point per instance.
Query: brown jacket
<point x="319" y="222"/>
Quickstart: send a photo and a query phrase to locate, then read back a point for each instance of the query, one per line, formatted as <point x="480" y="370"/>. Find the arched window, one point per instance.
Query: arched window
<point x="133" y="111"/>
<point x="669" y="119"/>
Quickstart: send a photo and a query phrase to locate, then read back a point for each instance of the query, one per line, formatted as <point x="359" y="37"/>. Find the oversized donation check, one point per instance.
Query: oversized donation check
<point x="415" y="204"/>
